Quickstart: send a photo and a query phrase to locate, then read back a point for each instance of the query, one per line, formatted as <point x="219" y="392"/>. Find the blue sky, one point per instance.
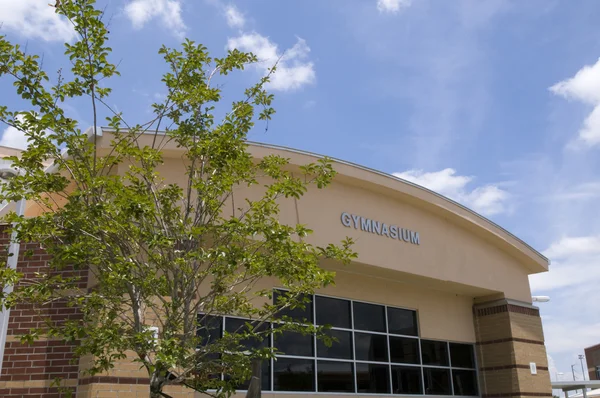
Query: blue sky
<point x="494" y="103"/>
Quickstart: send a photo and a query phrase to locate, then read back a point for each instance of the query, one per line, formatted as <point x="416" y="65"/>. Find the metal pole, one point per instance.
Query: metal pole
<point x="12" y="264"/>
<point x="573" y="370"/>
<point x="582" y="371"/>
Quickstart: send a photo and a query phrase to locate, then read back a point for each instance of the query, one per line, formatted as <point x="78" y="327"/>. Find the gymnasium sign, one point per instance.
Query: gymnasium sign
<point x="379" y="228"/>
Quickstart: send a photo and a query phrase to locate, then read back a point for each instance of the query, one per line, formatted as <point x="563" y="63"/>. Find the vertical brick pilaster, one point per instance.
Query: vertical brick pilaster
<point x="509" y="337"/>
<point x="29" y="369"/>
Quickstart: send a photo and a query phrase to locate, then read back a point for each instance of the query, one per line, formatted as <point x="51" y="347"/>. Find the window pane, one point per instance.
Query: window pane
<point x="341" y="349"/>
<point x="292" y="343"/>
<point x="371" y="378"/>
<point x="404" y="350"/>
<point x="335" y="376"/>
<point x="293" y="374"/>
<point x="461" y="355"/>
<point x="437" y="381"/>
<point x="297" y="313"/>
<point x="434" y="352"/>
<point x="406" y="380"/>
<point x="369" y="317"/>
<point x="238" y="326"/>
<point x="465" y="382"/>
<point x="402" y="321"/>
<point x="371" y="347"/>
<point x="210" y="328"/>
<point x="333" y="312"/>
<point x="265" y="377"/>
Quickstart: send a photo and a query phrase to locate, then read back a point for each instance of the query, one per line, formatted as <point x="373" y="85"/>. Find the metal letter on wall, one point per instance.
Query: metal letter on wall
<point x="390" y="231"/>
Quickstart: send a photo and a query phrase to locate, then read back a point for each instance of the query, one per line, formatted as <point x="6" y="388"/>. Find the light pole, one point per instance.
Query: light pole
<point x="573" y="370"/>
<point x="7" y="173"/>
<point x="581" y="361"/>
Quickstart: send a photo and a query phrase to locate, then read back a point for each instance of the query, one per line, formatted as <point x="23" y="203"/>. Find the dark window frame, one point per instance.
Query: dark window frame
<point x="354" y="361"/>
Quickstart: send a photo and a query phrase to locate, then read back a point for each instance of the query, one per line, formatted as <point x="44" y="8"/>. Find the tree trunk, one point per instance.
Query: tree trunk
<point x="157" y="382"/>
<point x="254" y="389"/>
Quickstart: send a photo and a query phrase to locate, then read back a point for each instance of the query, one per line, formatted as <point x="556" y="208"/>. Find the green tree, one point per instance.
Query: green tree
<point x="160" y="253"/>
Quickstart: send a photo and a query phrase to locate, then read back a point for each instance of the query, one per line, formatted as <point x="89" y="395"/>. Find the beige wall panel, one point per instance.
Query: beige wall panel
<point x="446" y="251"/>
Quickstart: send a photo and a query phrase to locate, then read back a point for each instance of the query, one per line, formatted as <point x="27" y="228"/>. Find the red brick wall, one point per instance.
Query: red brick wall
<point x="592" y="357"/>
<point x="28" y="370"/>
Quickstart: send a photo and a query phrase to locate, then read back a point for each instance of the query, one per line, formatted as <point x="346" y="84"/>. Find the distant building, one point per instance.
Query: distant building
<point x="592" y="356"/>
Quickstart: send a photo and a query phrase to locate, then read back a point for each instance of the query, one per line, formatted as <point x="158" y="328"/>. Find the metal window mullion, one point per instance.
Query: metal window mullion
<point x="360" y="301"/>
<point x="476" y="369"/>
<point x="409" y="365"/>
<point x="353" y="337"/>
<point x="422" y="367"/>
<point x="450" y="366"/>
<point x="389" y="349"/>
<point x="314" y="308"/>
<point x="221" y="336"/>
<point x="272" y="360"/>
<point x="407" y="336"/>
<point x="371" y="332"/>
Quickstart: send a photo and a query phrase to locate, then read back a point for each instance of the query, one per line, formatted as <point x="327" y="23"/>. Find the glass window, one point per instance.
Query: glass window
<point x="265" y="377"/>
<point x="434" y="352"/>
<point x="290" y="374"/>
<point x="293" y="343"/>
<point x="210" y="328"/>
<point x="372" y="378"/>
<point x="402" y="321"/>
<point x="335" y="376"/>
<point x="340" y="349"/>
<point x="299" y="313"/>
<point x="373" y="352"/>
<point x="465" y="382"/>
<point x="406" y="380"/>
<point x="404" y="350"/>
<point x="371" y="347"/>
<point x="369" y="317"/>
<point x="461" y="356"/>
<point x="238" y="326"/>
<point x="334" y="312"/>
<point x="437" y="381"/>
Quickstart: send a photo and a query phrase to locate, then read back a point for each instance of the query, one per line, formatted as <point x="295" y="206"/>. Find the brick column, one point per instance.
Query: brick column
<point x="510" y="336"/>
<point x="29" y="369"/>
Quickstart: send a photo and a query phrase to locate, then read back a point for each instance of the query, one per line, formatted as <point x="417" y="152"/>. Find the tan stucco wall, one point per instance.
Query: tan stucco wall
<point x="448" y="255"/>
<point x="460" y="253"/>
<point x="8" y="151"/>
<point x="441" y="315"/>
<point x="446" y="252"/>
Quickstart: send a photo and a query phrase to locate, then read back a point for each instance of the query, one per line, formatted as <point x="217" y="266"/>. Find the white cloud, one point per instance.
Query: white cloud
<point x="35" y="19"/>
<point x="578" y="192"/>
<point x="13" y="138"/>
<point x="168" y="12"/>
<point x="293" y="70"/>
<point x="235" y="19"/>
<point x="488" y="199"/>
<point x="584" y="87"/>
<point x="572" y="285"/>
<point x="392" y="6"/>
<point x="575" y="260"/>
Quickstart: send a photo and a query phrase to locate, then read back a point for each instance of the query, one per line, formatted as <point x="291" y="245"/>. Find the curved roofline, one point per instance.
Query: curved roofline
<point x="494" y="229"/>
<point x="392" y="177"/>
